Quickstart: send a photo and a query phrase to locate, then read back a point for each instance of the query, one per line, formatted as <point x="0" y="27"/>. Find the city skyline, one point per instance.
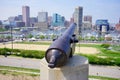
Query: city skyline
<point x="98" y="9"/>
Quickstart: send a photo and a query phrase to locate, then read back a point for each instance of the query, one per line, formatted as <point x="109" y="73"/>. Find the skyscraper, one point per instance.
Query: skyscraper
<point x="88" y="18"/>
<point x="26" y="15"/>
<point x="78" y="14"/>
<point x="87" y="23"/>
<point x="43" y="17"/>
<point x="119" y="20"/>
<point x="58" y="20"/>
<point x="20" y="17"/>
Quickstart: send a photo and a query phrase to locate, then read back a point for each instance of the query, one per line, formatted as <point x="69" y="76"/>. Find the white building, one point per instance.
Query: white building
<point x="78" y="15"/>
<point x="43" y="17"/>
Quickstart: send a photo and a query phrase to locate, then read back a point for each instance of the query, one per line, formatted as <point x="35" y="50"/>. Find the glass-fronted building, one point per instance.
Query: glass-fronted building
<point x="58" y="20"/>
<point x="101" y="23"/>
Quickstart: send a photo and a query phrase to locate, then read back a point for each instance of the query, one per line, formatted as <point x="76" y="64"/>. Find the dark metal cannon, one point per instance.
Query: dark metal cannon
<point x="62" y="48"/>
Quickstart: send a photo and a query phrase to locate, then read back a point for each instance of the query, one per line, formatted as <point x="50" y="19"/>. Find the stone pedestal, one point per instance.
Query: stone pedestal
<point x="75" y="69"/>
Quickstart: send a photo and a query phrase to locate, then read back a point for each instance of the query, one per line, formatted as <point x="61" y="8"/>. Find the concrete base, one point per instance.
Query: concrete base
<point x="75" y="69"/>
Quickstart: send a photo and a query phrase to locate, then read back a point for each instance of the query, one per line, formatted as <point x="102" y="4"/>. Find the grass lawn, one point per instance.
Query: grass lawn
<point x="18" y="71"/>
<point x="105" y="56"/>
<point x="102" y="78"/>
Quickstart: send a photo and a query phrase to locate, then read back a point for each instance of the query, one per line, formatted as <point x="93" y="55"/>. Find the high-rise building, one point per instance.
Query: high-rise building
<point x="78" y="15"/>
<point x="87" y="23"/>
<point x="88" y="18"/>
<point x="20" y="17"/>
<point x="43" y="17"/>
<point x="102" y="22"/>
<point x="117" y="26"/>
<point x="26" y="15"/>
<point x="58" y="20"/>
<point x="49" y="20"/>
<point x="33" y="20"/>
<point x="102" y="26"/>
<point x="119" y="20"/>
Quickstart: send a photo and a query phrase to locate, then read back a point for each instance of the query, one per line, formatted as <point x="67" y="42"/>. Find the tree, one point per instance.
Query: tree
<point x="101" y="39"/>
<point x="92" y="38"/>
<point x="53" y="36"/>
<point x="80" y="38"/>
<point x="42" y="36"/>
<point x="30" y="36"/>
<point x="2" y="36"/>
<point x="8" y="37"/>
<point x="86" y="38"/>
<point x="1" y="29"/>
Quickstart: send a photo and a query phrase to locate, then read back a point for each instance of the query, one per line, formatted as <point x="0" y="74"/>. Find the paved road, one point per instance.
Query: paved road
<point x="106" y="71"/>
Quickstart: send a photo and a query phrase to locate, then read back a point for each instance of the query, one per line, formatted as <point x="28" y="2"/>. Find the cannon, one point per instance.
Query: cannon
<point x="61" y="48"/>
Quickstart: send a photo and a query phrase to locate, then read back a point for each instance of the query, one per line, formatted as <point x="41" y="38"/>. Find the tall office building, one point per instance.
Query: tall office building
<point x="87" y="23"/>
<point x="43" y="17"/>
<point x="102" y="26"/>
<point x="20" y="17"/>
<point x="26" y="15"/>
<point x="50" y="20"/>
<point x="33" y="20"/>
<point x="88" y="18"/>
<point x="78" y="14"/>
<point x="58" y="20"/>
<point x="119" y="20"/>
<point x="117" y="26"/>
<point x="102" y="22"/>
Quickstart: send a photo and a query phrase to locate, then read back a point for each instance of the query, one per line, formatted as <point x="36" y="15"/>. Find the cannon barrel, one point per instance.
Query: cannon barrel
<point x="60" y="50"/>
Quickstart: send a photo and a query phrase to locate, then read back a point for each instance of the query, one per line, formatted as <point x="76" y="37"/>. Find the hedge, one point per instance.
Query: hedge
<point x="23" y="53"/>
<point x="105" y="45"/>
<point x="94" y="59"/>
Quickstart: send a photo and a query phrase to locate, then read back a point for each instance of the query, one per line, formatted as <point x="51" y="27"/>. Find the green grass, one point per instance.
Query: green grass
<point x="105" y="56"/>
<point x="102" y="78"/>
<point x="116" y="47"/>
<point x="18" y="71"/>
<point x="109" y="53"/>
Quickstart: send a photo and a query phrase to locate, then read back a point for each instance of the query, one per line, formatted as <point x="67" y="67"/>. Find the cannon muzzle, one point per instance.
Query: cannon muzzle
<point x="55" y="58"/>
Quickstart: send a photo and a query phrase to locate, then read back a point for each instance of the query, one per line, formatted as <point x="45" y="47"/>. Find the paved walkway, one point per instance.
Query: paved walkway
<point x="106" y="71"/>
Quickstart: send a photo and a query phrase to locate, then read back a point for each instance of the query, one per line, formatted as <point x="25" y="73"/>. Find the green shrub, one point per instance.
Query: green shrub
<point x="4" y="51"/>
<point x="32" y="54"/>
<point x="105" y="45"/>
<point x="23" y="53"/>
<point x="94" y="59"/>
<point x="16" y="50"/>
<point x="117" y="61"/>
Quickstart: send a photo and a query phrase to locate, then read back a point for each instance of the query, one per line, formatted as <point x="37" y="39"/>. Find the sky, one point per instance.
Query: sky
<point x="98" y="9"/>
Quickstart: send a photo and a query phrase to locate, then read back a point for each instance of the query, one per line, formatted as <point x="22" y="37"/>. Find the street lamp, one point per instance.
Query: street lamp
<point x="11" y="39"/>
